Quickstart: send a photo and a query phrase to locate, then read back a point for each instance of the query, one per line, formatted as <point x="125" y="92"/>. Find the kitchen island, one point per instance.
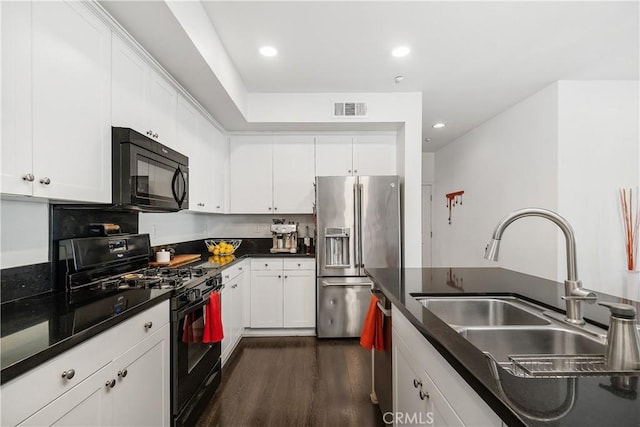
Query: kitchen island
<point x="516" y="401"/>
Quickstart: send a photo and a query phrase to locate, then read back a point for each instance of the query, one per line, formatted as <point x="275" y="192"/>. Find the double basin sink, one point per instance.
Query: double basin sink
<point x="506" y="328"/>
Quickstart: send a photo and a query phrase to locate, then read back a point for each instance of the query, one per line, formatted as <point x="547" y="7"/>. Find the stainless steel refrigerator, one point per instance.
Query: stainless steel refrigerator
<point x="358" y="226"/>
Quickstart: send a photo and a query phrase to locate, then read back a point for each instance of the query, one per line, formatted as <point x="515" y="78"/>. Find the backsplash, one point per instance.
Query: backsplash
<point x="25" y="281"/>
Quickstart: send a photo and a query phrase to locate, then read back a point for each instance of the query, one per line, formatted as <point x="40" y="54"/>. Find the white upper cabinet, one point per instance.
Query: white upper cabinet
<point x="293" y="174"/>
<point x="62" y="55"/>
<point x="340" y="155"/>
<point x="334" y="155"/>
<point x="250" y="174"/>
<point x="218" y="169"/>
<point x="374" y="155"/>
<point x="161" y="111"/>
<point x="202" y="178"/>
<point x="142" y="98"/>
<point x="271" y="174"/>
<point x="128" y="87"/>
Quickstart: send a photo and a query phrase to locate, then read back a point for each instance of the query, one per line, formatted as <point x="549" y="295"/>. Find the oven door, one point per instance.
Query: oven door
<point x="154" y="181"/>
<point x="192" y="359"/>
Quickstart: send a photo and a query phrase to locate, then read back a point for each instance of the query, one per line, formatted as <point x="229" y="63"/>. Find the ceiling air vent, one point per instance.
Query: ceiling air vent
<point x="349" y="109"/>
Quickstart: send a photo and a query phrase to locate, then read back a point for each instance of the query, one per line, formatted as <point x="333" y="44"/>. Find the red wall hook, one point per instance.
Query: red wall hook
<point x="452" y="200"/>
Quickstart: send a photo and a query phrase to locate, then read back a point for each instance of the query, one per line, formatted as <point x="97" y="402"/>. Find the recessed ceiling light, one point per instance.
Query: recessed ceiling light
<point x="427" y="140"/>
<point x="438" y="125"/>
<point x="268" y="51"/>
<point x="398" y="79"/>
<point x="400" y="51"/>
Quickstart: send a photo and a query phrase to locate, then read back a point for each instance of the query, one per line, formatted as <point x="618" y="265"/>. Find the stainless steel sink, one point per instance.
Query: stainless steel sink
<point x="504" y="342"/>
<point x="482" y="311"/>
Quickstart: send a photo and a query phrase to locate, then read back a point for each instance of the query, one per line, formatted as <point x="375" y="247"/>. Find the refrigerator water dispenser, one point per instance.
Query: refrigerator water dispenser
<point x="337" y="247"/>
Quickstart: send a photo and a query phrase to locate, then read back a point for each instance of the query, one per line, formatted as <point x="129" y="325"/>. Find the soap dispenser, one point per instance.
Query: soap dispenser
<point x="623" y="340"/>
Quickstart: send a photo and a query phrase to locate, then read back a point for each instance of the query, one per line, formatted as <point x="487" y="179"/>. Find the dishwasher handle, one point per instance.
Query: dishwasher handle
<point x="327" y="283"/>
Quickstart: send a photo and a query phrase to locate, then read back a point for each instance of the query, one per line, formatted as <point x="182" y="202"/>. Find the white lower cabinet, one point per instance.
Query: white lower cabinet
<point x="234" y="280"/>
<point x="119" y="377"/>
<point x="426" y="389"/>
<point x="282" y="293"/>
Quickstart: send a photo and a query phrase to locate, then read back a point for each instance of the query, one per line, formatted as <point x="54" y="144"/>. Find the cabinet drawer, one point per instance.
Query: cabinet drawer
<point x="30" y="392"/>
<point x="299" y="264"/>
<point x="130" y="332"/>
<point x="266" y="264"/>
<point x="231" y="273"/>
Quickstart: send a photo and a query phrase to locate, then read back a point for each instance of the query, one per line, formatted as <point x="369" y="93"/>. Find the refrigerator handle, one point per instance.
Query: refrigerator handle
<point x="358" y="242"/>
<point x="356" y="226"/>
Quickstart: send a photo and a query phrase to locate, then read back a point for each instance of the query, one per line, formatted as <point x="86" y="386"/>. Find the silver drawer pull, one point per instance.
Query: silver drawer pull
<point x="423" y="395"/>
<point x="326" y="283"/>
<point x="110" y="383"/>
<point x="123" y="373"/>
<point x="68" y="374"/>
<point x="148" y="325"/>
<point x="417" y="383"/>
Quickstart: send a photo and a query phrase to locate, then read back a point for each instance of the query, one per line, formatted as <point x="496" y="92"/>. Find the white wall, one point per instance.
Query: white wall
<point x="568" y="148"/>
<point x="598" y="151"/>
<point x="24" y="233"/>
<point x="505" y="164"/>
<point x="428" y="168"/>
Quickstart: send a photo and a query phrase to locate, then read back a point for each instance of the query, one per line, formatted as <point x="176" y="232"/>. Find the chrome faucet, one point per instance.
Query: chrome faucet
<point x="574" y="294"/>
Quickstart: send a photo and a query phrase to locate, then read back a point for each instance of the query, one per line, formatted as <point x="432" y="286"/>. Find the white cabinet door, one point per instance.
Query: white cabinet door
<point x="334" y="155"/>
<point x="299" y="299"/>
<point x="141" y="393"/>
<point x="90" y="403"/>
<point x="71" y="110"/>
<point x="227" y="307"/>
<point x="218" y="169"/>
<point x="16" y="136"/>
<point x="250" y="175"/>
<point x="195" y="127"/>
<point x="129" y="80"/>
<point x="409" y="399"/>
<point x="374" y="155"/>
<point x="293" y="174"/>
<point x="161" y="117"/>
<point x="266" y="299"/>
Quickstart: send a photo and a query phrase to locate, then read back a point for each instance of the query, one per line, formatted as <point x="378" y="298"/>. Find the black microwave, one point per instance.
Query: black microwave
<point x="147" y="176"/>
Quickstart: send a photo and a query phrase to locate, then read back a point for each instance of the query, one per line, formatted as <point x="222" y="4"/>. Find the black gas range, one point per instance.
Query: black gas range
<point x="120" y="264"/>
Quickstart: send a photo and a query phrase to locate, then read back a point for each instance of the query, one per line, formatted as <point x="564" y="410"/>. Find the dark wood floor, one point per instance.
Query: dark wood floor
<point x="295" y="381"/>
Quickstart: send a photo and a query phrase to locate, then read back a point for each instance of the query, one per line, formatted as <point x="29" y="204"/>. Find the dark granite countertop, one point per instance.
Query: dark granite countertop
<point x="38" y="328"/>
<point x="519" y="401"/>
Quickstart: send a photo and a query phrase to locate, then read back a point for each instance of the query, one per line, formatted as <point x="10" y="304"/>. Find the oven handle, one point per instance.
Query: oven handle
<point x="204" y="300"/>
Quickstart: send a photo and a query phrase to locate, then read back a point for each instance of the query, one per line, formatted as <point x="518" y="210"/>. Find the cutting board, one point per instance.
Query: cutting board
<point x="177" y="261"/>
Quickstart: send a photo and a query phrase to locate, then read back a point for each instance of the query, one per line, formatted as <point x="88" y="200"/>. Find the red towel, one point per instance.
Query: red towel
<point x="372" y="331"/>
<point x="213" y="320"/>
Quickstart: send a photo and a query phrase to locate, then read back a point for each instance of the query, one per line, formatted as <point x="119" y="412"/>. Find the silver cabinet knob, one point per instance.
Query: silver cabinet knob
<point x="286" y="277"/>
<point x="299" y="265"/>
<point x="28" y="177"/>
<point x="234" y="286"/>
<point x="266" y="265"/>
<point x="269" y="207"/>
<point x="355" y="171"/>
<point x="110" y="383"/>
<point x="123" y="373"/>
<point x="155" y="135"/>
<point x="240" y="268"/>
<point x="226" y="276"/>
<point x="45" y="181"/>
<point x="279" y="276"/>
<point x="68" y="374"/>
<point x="148" y="325"/>
<point x="275" y="208"/>
<point x="349" y="171"/>
<point x="217" y="207"/>
<point x="423" y="395"/>
<point x="417" y="383"/>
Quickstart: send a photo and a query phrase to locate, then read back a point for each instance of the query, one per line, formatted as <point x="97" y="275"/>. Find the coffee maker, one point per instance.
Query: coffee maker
<point x="285" y="237"/>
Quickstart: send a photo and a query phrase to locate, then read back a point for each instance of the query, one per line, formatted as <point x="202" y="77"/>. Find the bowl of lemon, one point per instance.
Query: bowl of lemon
<point x="222" y="250"/>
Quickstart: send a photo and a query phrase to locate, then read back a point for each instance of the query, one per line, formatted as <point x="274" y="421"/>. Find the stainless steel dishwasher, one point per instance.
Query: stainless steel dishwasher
<point x="381" y="361"/>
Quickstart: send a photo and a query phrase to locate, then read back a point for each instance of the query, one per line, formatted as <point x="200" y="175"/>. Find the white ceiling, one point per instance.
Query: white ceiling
<point x="471" y="60"/>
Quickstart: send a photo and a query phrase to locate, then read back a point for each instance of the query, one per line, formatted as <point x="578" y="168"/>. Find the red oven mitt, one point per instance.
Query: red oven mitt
<point x="213" y="325"/>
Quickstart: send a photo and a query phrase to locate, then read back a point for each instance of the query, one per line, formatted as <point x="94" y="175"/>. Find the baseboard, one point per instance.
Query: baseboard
<point x="279" y="332"/>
